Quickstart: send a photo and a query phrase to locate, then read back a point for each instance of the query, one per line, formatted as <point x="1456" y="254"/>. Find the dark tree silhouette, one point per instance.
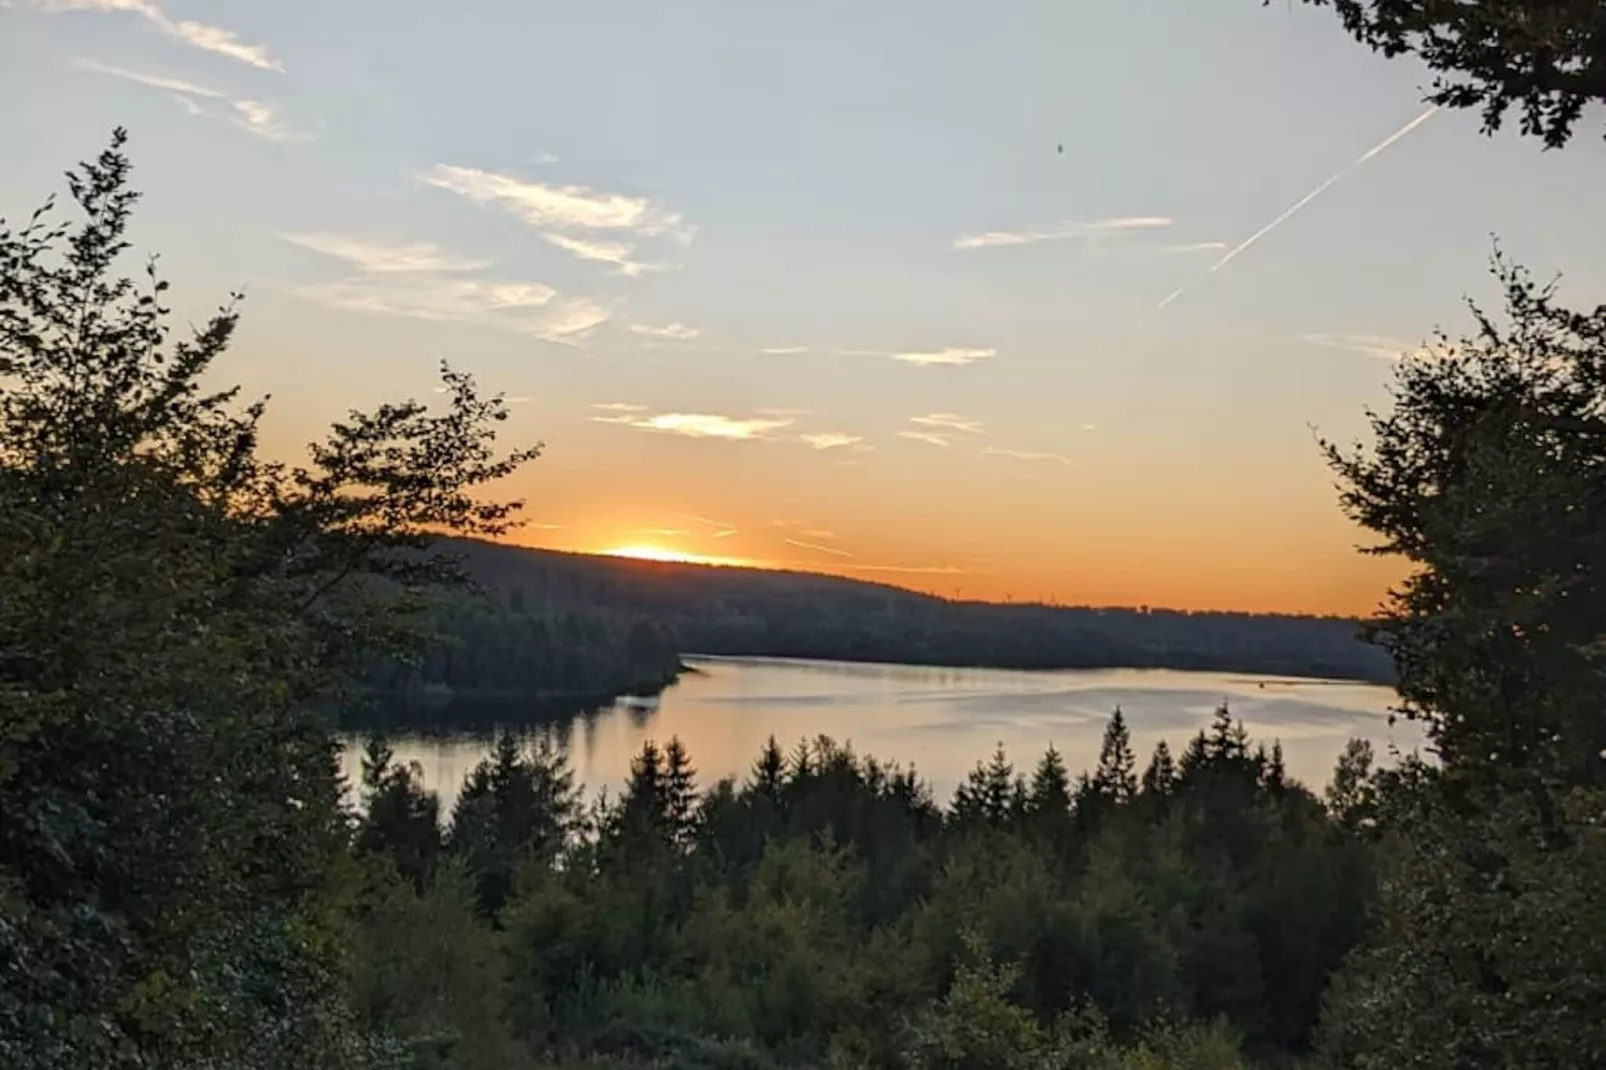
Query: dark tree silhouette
<point x="1545" y="58"/>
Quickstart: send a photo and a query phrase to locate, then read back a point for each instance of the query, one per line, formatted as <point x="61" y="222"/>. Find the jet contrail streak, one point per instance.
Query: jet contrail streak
<point x="1242" y="247"/>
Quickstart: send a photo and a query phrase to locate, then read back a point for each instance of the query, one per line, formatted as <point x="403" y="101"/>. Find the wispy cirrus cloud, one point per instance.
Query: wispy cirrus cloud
<point x="1042" y="232"/>
<point x="560" y="211"/>
<point x="264" y="120"/>
<point x="931" y="438"/>
<point x="924" y="570"/>
<point x="722" y="529"/>
<point x="1372" y="345"/>
<point x="783" y="351"/>
<point x="1027" y="455"/>
<point x="252" y="116"/>
<point x="670" y="332"/>
<point x="618" y="253"/>
<point x="420" y="280"/>
<point x="830" y="440"/>
<point x="949" y="421"/>
<point x="154" y="81"/>
<point x="816" y="547"/>
<point x="697" y="424"/>
<point x="200" y="35"/>
<point x="1197" y="247"/>
<point x="944" y="357"/>
<point x="523" y="307"/>
<point x="384" y="256"/>
<point x="543" y="205"/>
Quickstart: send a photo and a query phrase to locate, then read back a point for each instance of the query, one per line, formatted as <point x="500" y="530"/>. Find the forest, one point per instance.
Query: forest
<point x="183" y="885"/>
<point x="727" y="610"/>
<point x="483" y="645"/>
<point x="828" y="911"/>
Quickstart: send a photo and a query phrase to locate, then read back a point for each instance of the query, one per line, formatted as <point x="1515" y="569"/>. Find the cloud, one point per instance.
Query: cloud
<point x="255" y="117"/>
<point x="667" y="533"/>
<point x="382" y="256"/>
<point x="937" y="570"/>
<point x="817" y="533"/>
<point x="725" y="530"/>
<point x="606" y="252"/>
<point x="558" y="207"/>
<point x="1197" y="247"/>
<point x="223" y="42"/>
<point x="264" y="121"/>
<point x="540" y="527"/>
<point x="616" y="406"/>
<point x="420" y="280"/>
<point x="698" y="424"/>
<point x="1042" y="232"/>
<point x="829" y="440"/>
<point x="524" y="307"/>
<point x="674" y="332"/>
<point x="1027" y="455"/>
<point x="817" y="547"/>
<point x="1372" y="345"/>
<point x="1288" y="213"/>
<point x="200" y="35"/>
<point x="948" y="421"/>
<point x="155" y="81"/>
<point x="925" y="436"/>
<point x="945" y="356"/>
<point x="783" y="351"/>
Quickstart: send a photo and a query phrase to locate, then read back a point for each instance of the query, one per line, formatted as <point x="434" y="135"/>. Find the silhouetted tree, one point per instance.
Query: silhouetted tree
<point x="1486" y="475"/>
<point x="1547" y="58"/>
<point x="401" y="821"/>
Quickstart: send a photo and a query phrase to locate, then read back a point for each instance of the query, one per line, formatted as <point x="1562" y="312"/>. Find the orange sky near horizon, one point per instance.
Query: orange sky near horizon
<point x="1042" y="306"/>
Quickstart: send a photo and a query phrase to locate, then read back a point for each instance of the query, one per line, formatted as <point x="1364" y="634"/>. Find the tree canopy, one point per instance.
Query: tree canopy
<point x="1544" y="58"/>
<point x="170" y="602"/>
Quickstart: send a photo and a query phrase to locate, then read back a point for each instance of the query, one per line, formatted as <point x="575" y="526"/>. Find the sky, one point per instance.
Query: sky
<point x="1031" y="300"/>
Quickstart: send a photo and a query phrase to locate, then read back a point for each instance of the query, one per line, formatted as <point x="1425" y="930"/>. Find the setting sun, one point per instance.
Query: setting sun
<point x="649" y="552"/>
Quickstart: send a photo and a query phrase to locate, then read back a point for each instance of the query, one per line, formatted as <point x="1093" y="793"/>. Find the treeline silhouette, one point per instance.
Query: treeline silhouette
<point x="485" y="646"/>
<point x="733" y="611"/>
<point x="827" y="911"/>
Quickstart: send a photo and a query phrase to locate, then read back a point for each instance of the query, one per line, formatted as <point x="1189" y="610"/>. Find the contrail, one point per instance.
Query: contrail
<point x="1242" y="247"/>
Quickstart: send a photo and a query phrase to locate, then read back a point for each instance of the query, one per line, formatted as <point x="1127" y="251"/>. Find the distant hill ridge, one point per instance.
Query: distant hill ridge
<point x="733" y="610"/>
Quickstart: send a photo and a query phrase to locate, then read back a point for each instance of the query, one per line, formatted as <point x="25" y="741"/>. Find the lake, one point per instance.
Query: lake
<point x="942" y="721"/>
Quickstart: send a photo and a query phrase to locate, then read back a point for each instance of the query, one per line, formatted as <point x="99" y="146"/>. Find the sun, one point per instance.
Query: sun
<point x="651" y="552"/>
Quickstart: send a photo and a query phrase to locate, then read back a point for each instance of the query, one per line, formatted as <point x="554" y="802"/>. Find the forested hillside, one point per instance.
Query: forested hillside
<point x="485" y="644"/>
<point x="717" y="610"/>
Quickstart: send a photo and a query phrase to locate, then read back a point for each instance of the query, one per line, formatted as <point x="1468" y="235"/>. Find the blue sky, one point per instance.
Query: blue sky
<point x="823" y="263"/>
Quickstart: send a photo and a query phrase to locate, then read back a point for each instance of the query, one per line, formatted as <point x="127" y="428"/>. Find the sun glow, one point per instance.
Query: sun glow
<point x="650" y="552"/>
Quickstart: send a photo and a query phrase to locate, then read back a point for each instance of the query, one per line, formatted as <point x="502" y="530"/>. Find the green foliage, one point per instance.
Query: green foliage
<point x="400" y="821"/>
<point x="1486" y="475"/>
<point x="173" y="851"/>
<point x="1547" y="58"/>
<point x="482" y="646"/>
<point x="516" y="813"/>
<point x="1489" y="950"/>
<point x="426" y="972"/>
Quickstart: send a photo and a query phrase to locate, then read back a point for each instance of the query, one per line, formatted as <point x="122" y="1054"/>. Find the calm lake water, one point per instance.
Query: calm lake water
<point x="941" y="721"/>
